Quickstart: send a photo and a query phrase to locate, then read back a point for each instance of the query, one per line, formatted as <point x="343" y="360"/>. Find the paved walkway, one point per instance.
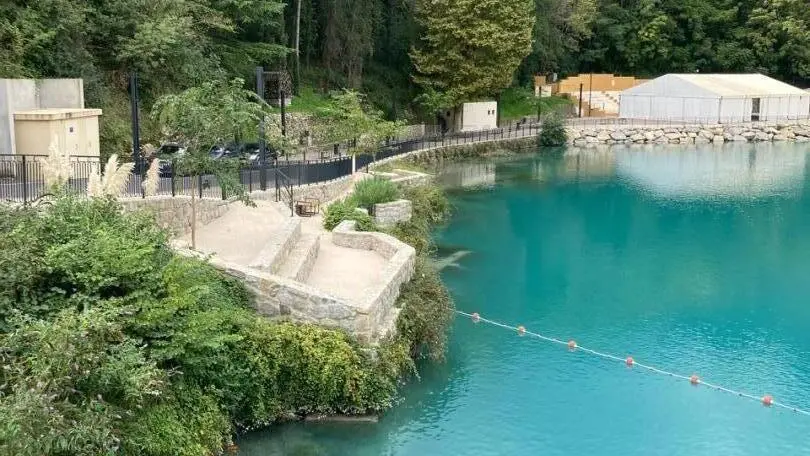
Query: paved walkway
<point x="239" y="235"/>
<point x="344" y="272"/>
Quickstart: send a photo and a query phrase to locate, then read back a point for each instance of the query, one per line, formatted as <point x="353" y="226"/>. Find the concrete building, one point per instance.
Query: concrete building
<point x="74" y="131"/>
<point x="723" y="98"/>
<point x="481" y="115"/>
<point x="20" y="95"/>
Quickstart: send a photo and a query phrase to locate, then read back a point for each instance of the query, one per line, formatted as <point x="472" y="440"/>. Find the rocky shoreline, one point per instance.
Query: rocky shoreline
<point x="688" y="134"/>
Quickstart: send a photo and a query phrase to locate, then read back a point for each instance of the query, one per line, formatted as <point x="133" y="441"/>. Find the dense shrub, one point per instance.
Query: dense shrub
<point x="427" y="311"/>
<point x="427" y="308"/>
<point x="76" y="254"/>
<point x="118" y="345"/>
<point x="377" y="190"/>
<point x="553" y="132"/>
<point x="430" y="204"/>
<point x="347" y="210"/>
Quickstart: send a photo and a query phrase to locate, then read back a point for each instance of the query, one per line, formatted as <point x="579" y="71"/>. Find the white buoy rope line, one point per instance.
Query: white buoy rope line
<point x="766" y="400"/>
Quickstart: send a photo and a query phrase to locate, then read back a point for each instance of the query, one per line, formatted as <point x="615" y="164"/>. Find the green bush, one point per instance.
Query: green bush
<point x="427" y="311"/>
<point x="347" y="210"/>
<point x="553" y="133"/>
<point x="430" y="203"/>
<point x="121" y="346"/>
<point x="377" y="190"/>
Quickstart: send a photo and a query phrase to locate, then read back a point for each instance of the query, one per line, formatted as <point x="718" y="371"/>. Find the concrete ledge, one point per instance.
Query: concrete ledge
<point x="272" y="256"/>
<point x="389" y="214"/>
<point x="302" y="270"/>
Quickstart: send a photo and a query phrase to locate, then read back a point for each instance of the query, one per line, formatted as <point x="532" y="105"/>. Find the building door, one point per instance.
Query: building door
<point x="755" y="104"/>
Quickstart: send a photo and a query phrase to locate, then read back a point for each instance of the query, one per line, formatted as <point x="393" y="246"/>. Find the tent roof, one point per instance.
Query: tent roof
<point x="724" y="85"/>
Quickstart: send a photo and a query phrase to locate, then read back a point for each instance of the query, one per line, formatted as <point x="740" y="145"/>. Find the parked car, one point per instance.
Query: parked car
<point x="249" y="153"/>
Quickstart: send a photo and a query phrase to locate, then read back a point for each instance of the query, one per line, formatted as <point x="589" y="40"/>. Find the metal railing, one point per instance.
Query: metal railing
<point x="22" y="177"/>
<point x="284" y="189"/>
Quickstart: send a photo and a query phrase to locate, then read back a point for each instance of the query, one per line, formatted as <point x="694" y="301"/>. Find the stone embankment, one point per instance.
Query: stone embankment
<point x="688" y="134"/>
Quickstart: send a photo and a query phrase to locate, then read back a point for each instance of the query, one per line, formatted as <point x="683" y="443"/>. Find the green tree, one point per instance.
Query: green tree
<point x="205" y="116"/>
<point x="347" y="118"/>
<point x="780" y="37"/>
<point x="470" y="48"/>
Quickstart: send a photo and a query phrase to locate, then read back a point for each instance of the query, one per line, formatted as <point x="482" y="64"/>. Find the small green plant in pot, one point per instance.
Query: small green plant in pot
<point x="373" y="191"/>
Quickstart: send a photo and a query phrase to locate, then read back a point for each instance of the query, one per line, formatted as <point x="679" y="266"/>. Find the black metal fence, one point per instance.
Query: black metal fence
<point x="25" y="178"/>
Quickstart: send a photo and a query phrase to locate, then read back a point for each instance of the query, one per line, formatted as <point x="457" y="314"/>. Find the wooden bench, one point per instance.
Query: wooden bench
<point x="307" y="207"/>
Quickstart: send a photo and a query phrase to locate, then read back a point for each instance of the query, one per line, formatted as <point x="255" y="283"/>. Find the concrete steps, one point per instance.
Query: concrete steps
<point x="301" y="258"/>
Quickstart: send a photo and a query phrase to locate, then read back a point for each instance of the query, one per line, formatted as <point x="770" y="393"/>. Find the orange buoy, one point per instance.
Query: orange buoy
<point x="767" y="400"/>
<point x="629" y="361"/>
<point x="475" y="317"/>
<point x="521" y="330"/>
<point x="694" y="379"/>
<point x="572" y="345"/>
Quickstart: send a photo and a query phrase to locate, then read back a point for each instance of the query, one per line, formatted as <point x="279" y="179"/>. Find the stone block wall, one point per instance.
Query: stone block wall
<point x="689" y="134"/>
<point x="323" y="191"/>
<point x="380" y="301"/>
<point x="174" y="213"/>
<point x="389" y="214"/>
<point x="278" y="297"/>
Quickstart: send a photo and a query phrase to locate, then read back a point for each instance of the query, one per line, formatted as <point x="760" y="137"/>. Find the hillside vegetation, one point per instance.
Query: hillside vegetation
<point x="408" y="56"/>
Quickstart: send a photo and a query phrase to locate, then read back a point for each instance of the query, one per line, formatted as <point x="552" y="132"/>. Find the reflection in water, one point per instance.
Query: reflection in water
<point x="469" y="174"/>
<point x="732" y="170"/>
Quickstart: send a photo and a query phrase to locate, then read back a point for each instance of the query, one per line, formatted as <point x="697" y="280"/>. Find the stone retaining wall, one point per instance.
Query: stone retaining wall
<point x="276" y="296"/>
<point x="689" y="134"/>
<point x="389" y="214"/>
<point x="380" y="300"/>
<point x="174" y="213"/>
<point x="323" y="191"/>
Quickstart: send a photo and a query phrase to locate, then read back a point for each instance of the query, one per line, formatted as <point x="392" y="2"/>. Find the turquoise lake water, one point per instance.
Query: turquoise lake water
<point x="693" y="260"/>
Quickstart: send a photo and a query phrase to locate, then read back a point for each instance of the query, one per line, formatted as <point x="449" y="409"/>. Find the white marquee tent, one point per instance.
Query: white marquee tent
<point x="720" y="98"/>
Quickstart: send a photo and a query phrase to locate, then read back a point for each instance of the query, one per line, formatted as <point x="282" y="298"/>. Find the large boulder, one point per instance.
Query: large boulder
<point x="739" y="138"/>
<point x="708" y="134"/>
<point x="762" y="136"/>
<point x="735" y="131"/>
<point x="637" y="138"/>
<point x="618" y="136"/>
<point x="650" y="136"/>
<point x="748" y="135"/>
<point x="718" y="139"/>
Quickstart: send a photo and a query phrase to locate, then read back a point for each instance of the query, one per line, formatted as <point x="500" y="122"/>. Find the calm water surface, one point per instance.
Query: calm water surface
<point x="694" y="260"/>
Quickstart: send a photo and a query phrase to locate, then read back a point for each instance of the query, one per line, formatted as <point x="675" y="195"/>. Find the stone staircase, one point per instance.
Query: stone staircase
<point x="298" y="270"/>
<point x="301" y="258"/>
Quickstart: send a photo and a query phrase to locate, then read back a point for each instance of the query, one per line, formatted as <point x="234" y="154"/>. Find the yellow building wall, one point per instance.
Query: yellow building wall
<point x="73" y="130"/>
<point x="603" y="82"/>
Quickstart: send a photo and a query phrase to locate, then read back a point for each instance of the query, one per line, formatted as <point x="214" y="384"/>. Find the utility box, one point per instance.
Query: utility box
<point x="74" y="131"/>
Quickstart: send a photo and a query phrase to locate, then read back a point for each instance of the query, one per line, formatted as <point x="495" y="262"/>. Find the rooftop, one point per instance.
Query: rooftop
<point x="729" y="85"/>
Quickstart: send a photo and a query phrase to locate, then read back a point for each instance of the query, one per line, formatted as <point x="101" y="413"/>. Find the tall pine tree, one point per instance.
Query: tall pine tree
<point x="470" y="48"/>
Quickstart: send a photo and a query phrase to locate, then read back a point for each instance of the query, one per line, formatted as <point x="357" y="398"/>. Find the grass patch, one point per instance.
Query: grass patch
<point x="517" y="102"/>
<point x="377" y="190"/>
